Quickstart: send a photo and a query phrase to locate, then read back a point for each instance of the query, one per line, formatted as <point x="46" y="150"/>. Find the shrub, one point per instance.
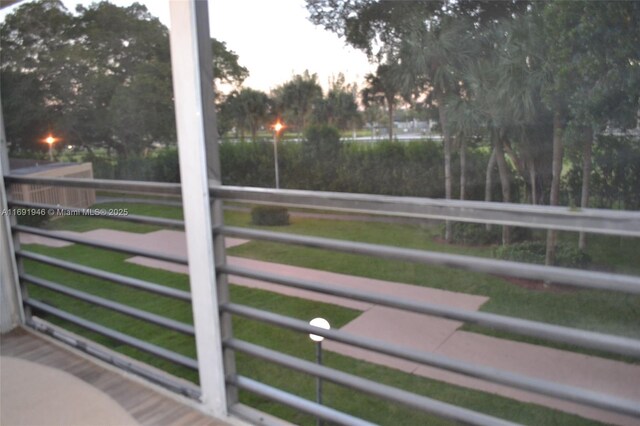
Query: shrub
<point x="567" y="255"/>
<point x="474" y="234"/>
<point x="269" y="216"/>
<point x="520" y="234"/>
<point x="166" y="166"/>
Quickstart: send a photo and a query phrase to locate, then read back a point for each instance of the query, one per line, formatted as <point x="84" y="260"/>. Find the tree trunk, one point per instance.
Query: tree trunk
<point x="556" y="166"/>
<point x="587" y="148"/>
<point x="254" y="132"/>
<point x="390" y="121"/>
<point x="121" y="151"/>
<point x="463" y="167"/>
<point x="517" y="161"/>
<point x="505" y="183"/>
<point x="446" y="141"/>
<point x="532" y="179"/>
<point x="488" y="183"/>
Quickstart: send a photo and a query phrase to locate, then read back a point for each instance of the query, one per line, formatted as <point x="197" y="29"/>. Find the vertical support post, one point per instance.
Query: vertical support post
<point x="192" y="128"/>
<point x="215" y="179"/>
<point x="318" y="379"/>
<point x="11" y="308"/>
<point x="275" y="157"/>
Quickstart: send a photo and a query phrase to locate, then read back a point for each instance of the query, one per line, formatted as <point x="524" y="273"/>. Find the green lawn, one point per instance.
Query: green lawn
<point x="286" y="341"/>
<point x="591" y="310"/>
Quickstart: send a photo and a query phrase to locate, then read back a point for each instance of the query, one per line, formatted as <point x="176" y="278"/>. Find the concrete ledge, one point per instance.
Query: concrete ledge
<point x="33" y="394"/>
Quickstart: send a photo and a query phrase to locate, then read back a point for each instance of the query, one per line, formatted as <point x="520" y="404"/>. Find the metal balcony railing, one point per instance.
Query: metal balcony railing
<point x="595" y="221"/>
<point x="213" y="308"/>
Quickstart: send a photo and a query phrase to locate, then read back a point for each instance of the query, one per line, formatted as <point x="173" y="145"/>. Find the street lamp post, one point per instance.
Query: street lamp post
<point x="50" y="140"/>
<point x="320" y="323"/>
<point x="276" y="130"/>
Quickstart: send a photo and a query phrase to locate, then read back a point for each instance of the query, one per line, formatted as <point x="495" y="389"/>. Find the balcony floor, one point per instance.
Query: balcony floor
<point x="45" y="384"/>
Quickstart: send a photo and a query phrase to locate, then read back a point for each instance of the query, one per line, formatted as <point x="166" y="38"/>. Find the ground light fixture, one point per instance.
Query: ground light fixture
<point x="324" y="324"/>
<point x="277" y="128"/>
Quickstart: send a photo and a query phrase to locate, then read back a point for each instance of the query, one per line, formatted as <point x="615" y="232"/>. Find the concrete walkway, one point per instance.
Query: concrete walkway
<point x="426" y="333"/>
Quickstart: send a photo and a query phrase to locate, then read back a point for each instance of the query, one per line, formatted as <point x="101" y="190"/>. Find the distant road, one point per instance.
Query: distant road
<point x="402" y="137"/>
<point x="399" y="136"/>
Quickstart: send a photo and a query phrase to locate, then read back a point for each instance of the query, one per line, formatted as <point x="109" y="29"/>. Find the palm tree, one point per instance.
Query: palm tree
<point x="295" y="99"/>
<point x="256" y="108"/>
<point x="432" y="55"/>
<point x="501" y="98"/>
<point x="383" y="88"/>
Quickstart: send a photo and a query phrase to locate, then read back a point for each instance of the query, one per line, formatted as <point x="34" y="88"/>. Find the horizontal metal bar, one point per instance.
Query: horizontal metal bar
<point x="103" y="213"/>
<point x="109" y="276"/>
<point x="612" y="222"/>
<point x="93" y="243"/>
<point x="296" y="402"/>
<point x="599" y="221"/>
<point x="114" y="185"/>
<point x="582" y="338"/>
<point x="118" y="360"/>
<point x="253" y="416"/>
<point x="385" y="392"/>
<point x="558" y="275"/>
<point x="109" y="304"/>
<point x="115" y="335"/>
<point x="543" y="387"/>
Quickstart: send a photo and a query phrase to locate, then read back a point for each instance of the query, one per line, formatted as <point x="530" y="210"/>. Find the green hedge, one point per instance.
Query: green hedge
<point x="388" y="168"/>
<point x="567" y="255"/>
<point x="320" y="162"/>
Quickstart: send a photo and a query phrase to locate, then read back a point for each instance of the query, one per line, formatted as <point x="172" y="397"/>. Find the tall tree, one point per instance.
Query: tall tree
<point x="383" y="88"/>
<point x="339" y="107"/>
<point x="103" y="75"/>
<point x="34" y="41"/>
<point x="420" y="29"/>
<point x="295" y="99"/>
<point x="433" y="54"/>
<point x="248" y="108"/>
<point x="596" y="49"/>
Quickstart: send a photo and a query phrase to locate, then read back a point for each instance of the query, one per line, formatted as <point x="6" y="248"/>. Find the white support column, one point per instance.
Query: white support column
<point x="11" y="312"/>
<point x="190" y="123"/>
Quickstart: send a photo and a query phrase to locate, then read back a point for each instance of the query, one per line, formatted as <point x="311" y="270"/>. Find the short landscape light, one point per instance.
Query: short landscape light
<point x="324" y="324"/>
<point x="320" y="323"/>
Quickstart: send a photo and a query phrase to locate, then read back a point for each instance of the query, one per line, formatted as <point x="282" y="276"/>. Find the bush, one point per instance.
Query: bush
<point x="474" y="234"/>
<point x="567" y="255"/>
<point x="324" y="163"/>
<point x="165" y="166"/>
<point x="269" y="216"/>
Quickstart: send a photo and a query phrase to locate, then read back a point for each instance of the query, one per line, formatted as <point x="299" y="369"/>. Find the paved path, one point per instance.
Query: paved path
<point x="422" y="332"/>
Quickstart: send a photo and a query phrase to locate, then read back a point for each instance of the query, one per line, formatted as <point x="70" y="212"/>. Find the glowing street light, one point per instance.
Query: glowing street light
<point x="324" y="324"/>
<point x="277" y="128"/>
<point x="50" y="140"/>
